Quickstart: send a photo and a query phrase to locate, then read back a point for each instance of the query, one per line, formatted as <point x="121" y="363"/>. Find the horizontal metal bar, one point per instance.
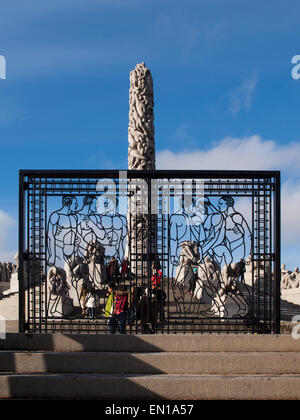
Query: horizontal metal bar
<point x="107" y="173"/>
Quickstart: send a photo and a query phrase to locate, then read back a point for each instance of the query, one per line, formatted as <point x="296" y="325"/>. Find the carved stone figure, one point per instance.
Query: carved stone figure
<point x="57" y="282"/>
<point x="230" y="275"/>
<point x="94" y="252"/>
<point x="283" y="269"/>
<point x="77" y="272"/>
<point x="189" y="259"/>
<point x="290" y="285"/>
<point x="6" y="270"/>
<point x="229" y="306"/>
<point x="141" y="156"/>
<point x="189" y="253"/>
<point x="141" y="152"/>
<point x="229" y="301"/>
<point x="189" y="256"/>
<point x="208" y="280"/>
<point x="95" y="257"/>
<point x="59" y="303"/>
<point x="290" y="280"/>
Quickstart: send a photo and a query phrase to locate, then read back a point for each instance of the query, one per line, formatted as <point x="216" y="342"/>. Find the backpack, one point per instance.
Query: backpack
<point x="121" y="304"/>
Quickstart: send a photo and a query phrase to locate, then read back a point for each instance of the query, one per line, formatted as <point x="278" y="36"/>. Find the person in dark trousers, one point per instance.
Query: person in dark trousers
<point x="193" y="281"/>
<point x="119" y="312"/>
<point x="110" y="300"/>
<point x="91" y="305"/>
<point x="134" y="298"/>
<point x="125" y="269"/>
<point x="112" y="269"/>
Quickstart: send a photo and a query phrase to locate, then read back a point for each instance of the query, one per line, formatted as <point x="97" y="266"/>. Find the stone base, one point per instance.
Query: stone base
<point x="206" y="290"/>
<point x="229" y="306"/>
<point x="4" y="286"/>
<point x="183" y="275"/>
<point x="14" y="285"/>
<point x="61" y="308"/>
<point x="291" y="295"/>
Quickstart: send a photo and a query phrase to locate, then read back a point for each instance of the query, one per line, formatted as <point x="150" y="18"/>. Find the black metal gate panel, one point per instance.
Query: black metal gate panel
<point x="181" y="251"/>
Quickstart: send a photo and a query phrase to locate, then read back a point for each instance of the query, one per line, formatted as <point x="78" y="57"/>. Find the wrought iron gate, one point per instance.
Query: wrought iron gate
<point x="185" y="251"/>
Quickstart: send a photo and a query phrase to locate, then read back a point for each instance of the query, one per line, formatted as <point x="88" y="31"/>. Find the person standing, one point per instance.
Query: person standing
<point x="125" y="269"/>
<point x="83" y="298"/>
<point x="91" y="305"/>
<point x="193" y="281"/>
<point x="119" y="312"/>
<point x="113" y="268"/>
<point x="156" y="278"/>
<point x="110" y="300"/>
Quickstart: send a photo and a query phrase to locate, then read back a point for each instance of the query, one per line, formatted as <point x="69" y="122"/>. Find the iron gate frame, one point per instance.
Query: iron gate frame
<point x="271" y="178"/>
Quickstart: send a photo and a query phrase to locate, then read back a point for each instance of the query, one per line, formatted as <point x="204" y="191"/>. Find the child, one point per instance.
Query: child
<point x="91" y="305"/>
<point x="119" y="312"/>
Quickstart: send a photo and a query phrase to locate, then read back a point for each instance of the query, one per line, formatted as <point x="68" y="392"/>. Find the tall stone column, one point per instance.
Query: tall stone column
<point x="141" y="151"/>
<point x="141" y="156"/>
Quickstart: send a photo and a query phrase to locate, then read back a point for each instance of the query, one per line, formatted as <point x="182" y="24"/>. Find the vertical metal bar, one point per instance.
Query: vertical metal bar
<point x="31" y="273"/>
<point x="265" y="255"/>
<point x="162" y="309"/>
<point x="258" y="252"/>
<point x="21" y="254"/>
<point x="40" y="255"/>
<point x="270" y="258"/>
<point x="252" y="253"/>
<point x="277" y="251"/>
<point x="169" y="259"/>
<point x="45" y="254"/>
<point x="150" y="314"/>
<point x="27" y="291"/>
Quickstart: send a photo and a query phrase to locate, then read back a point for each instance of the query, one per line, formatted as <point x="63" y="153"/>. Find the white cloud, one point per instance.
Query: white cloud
<point x="242" y="97"/>
<point x="250" y="153"/>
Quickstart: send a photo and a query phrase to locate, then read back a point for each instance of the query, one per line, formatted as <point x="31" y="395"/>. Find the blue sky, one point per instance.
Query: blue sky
<point x="222" y="84"/>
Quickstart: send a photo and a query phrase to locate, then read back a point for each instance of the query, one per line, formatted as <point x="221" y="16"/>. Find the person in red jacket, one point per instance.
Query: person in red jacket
<point x="156" y="278"/>
<point x="119" y="313"/>
<point x="125" y="268"/>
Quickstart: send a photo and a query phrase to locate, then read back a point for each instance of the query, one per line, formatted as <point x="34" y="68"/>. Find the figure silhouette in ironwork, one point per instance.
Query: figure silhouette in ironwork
<point x="229" y="236"/>
<point x="62" y="232"/>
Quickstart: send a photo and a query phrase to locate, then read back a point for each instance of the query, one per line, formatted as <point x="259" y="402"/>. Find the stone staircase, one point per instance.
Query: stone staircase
<point x="148" y="367"/>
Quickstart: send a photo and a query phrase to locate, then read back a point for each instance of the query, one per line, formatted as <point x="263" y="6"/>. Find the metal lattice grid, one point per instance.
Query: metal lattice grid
<point x="66" y="241"/>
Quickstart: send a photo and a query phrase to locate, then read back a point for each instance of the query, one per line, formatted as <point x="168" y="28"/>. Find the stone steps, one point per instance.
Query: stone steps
<point x="150" y="387"/>
<point x="172" y="367"/>
<point x="178" y="343"/>
<point x="191" y="363"/>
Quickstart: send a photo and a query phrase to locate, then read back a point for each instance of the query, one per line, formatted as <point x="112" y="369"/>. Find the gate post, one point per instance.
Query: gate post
<point x="21" y="253"/>
<point x="277" y="266"/>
